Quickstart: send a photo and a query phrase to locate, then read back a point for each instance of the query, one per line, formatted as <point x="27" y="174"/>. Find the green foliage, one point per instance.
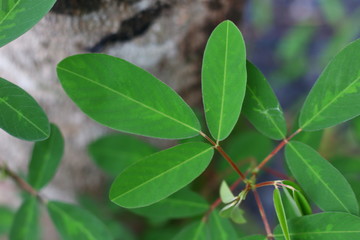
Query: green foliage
<point x="21" y="115"/>
<point x="46" y="158"/>
<point x="18" y="16"/>
<point x="223" y="79"/>
<point x="126" y="96"/>
<point x="194" y="231"/>
<point x="6" y="219"/>
<point x="73" y="222"/>
<point x="280" y="212"/>
<point x="25" y="225"/>
<point x="160" y="174"/>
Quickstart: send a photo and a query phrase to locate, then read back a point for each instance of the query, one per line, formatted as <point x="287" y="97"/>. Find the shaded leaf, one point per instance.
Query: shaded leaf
<point x="323" y="226"/>
<point x="280" y="213"/>
<point x="73" y="222"/>
<point x="26" y="221"/>
<point x="114" y="153"/>
<point x="335" y="97"/>
<point x="45" y="159"/>
<point x="6" y="220"/>
<point x="125" y="97"/>
<point x="18" y="16"/>
<point x="322" y="182"/>
<point x="254" y="237"/>
<point x="223" y="79"/>
<point x="261" y="106"/>
<point x="161" y="174"/>
<point x="221" y="228"/>
<point x="194" y="231"/>
<point x="20" y="115"/>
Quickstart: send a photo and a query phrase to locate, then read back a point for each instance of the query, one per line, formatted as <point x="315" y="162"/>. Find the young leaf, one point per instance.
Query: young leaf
<point x="322" y="182"/>
<point x="125" y="97"/>
<point x="114" y="153"/>
<point x="18" y="16"/>
<point x="323" y="226"/>
<point x="74" y="223"/>
<point x="161" y="174"/>
<point x="20" y="115"/>
<point x="6" y="220"/>
<point x="45" y="159"/>
<point x="221" y="228"/>
<point x="223" y="79"/>
<point x="335" y="96"/>
<point x="299" y="198"/>
<point x="226" y="194"/>
<point x="261" y="106"/>
<point x="290" y="206"/>
<point x="280" y="212"/>
<point x="182" y="204"/>
<point x="25" y="224"/>
<point x="194" y="231"/>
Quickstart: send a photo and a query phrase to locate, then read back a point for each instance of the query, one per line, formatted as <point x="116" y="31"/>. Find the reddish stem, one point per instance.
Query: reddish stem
<point x="277" y="149"/>
<point x="224" y="154"/>
<point x="263" y="215"/>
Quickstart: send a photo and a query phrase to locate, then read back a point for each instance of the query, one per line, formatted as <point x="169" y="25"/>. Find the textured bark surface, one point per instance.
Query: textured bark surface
<point x="166" y="37"/>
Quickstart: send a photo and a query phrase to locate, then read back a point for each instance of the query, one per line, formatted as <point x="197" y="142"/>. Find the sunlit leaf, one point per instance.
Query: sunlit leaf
<point x="45" y="159"/>
<point x="223" y="79"/>
<point x="20" y="115"/>
<point x="159" y="175"/>
<point x="125" y="97"/>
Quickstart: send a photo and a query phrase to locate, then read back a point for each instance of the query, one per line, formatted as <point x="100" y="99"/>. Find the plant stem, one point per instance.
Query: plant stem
<point x="225" y="155"/>
<point x="276" y="173"/>
<point x="276" y="150"/>
<point x="263" y="215"/>
<point x="22" y="184"/>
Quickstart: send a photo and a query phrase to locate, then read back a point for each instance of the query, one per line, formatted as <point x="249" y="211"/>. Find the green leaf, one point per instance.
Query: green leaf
<point x="45" y="159"/>
<point x="280" y="213"/>
<point x="18" y="16"/>
<point x="73" y="222"/>
<point x="261" y="106"/>
<point x="194" y="231"/>
<point x="335" y="97"/>
<point x="322" y="182"/>
<point x="182" y="204"/>
<point x="26" y="225"/>
<point x="6" y="220"/>
<point x="254" y="237"/>
<point x="161" y="174"/>
<point x="221" y="228"/>
<point x="125" y="97"/>
<point x="300" y="200"/>
<point x="226" y="194"/>
<point x="223" y="79"/>
<point x="290" y="206"/>
<point x="323" y="226"/>
<point x="20" y="115"/>
<point x="114" y="153"/>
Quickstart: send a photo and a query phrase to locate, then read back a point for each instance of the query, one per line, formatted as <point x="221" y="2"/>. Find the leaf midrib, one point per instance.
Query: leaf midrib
<point x="160" y="175"/>
<point x="10" y="11"/>
<point x="329" y="103"/>
<point x="264" y="109"/>
<point x="129" y="98"/>
<point x="315" y="174"/>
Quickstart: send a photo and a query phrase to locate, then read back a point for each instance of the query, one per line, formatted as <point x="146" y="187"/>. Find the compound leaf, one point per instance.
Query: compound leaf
<point x="20" y="115"/>
<point x="223" y="79"/>
<point x="335" y="97"/>
<point x="45" y="159"/>
<point x="159" y="175"/>
<point x="18" y="16"/>
<point x="125" y="97"/>
<point x="322" y="182"/>
<point x="74" y="223"/>
<point x="261" y="106"/>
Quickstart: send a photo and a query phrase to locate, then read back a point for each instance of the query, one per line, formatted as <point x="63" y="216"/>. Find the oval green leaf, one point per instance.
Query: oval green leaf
<point x="221" y="228"/>
<point x="323" y="226"/>
<point x="6" y="220"/>
<point x="226" y="194"/>
<point x="125" y="97"/>
<point x="160" y="175"/>
<point x="322" y="182"/>
<point x="114" y="153"/>
<point x="223" y="79"/>
<point x="195" y="231"/>
<point x="45" y="159"/>
<point x="280" y="213"/>
<point x="335" y="97"/>
<point x="261" y="106"/>
<point x="20" y="115"/>
<point x="26" y="222"/>
<point x="299" y="198"/>
<point x="18" y="16"/>
<point x="75" y="223"/>
<point x="182" y="204"/>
